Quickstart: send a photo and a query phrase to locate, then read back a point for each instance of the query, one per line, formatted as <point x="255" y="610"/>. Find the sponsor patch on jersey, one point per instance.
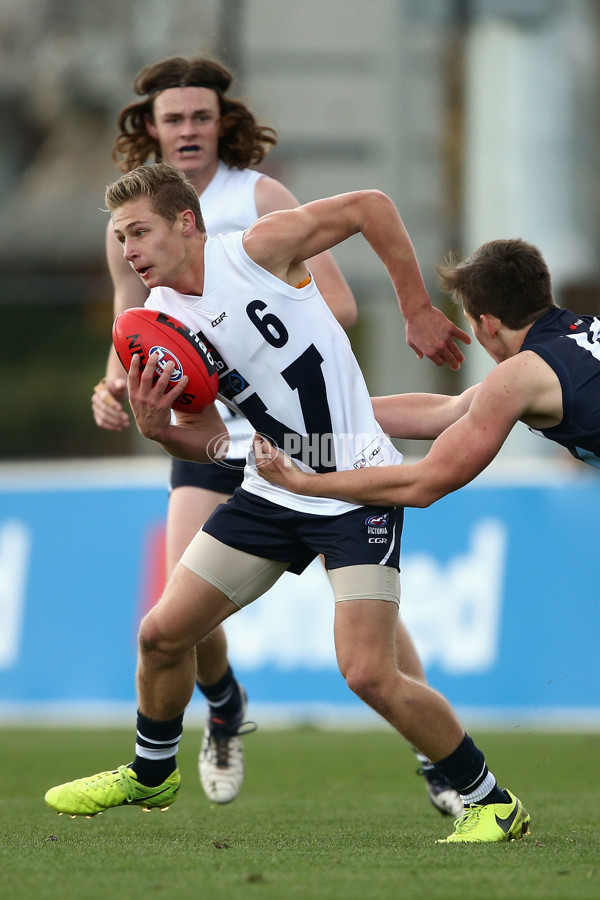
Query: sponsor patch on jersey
<point x="231" y="384"/>
<point x="371" y="455"/>
<point x="216" y="356"/>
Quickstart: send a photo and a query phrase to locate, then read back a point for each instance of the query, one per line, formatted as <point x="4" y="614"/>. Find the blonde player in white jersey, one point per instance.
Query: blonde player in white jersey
<point x="187" y="119"/>
<point x="287" y="365"/>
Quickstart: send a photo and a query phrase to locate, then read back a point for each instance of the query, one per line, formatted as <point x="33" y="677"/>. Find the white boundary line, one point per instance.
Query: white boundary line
<point x="293" y="715"/>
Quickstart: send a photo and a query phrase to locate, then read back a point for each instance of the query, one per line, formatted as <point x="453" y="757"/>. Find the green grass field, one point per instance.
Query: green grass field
<point x="322" y="815"/>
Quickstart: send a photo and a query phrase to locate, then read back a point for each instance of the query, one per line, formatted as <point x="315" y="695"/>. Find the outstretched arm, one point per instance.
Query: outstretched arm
<point x="420" y="416"/>
<point x="281" y="242"/>
<point x="458" y="455"/>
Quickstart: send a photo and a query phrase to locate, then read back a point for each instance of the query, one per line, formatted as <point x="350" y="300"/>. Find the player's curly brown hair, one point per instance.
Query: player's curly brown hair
<point x="243" y="141"/>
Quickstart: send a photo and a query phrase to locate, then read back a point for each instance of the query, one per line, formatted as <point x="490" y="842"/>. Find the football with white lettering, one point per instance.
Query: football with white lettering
<point x="146" y="331"/>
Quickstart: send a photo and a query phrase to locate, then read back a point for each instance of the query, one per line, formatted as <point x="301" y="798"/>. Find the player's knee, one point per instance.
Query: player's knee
<point x="366" y="682"/>
<point x="153" y="641"/>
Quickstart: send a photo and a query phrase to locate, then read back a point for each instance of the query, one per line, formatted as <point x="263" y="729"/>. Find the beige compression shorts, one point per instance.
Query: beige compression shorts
<point x="243" y="577"/>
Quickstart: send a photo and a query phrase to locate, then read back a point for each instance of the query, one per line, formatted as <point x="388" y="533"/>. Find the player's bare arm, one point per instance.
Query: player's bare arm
<point x="280" y="242"/>
<point x="270" y="195"/>
<point x="420" y="416"/>
<point x="459" y="454"/>
<point x="193" y="436"/>
<point x="109" y="394"/>
<point x="449" y="465"/>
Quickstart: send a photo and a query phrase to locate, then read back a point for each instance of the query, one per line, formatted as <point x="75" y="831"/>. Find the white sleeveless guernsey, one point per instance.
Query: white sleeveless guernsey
<point x="228" y="204"/>
<point x="286" y="364"/>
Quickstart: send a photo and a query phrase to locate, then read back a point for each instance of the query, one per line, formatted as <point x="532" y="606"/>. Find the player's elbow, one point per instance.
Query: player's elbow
<point x="377" y="196"/>
<point x="369" y="202"/>
<point x="433" y="493"/>
<point x="420" y="500"/>
<point x="419" y="496"/>
<point x="347" y="315"/>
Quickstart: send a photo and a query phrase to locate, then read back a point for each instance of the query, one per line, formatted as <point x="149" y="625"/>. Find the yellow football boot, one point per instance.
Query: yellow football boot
<point x="491" y="823"/>
<point x="92" y="795"/>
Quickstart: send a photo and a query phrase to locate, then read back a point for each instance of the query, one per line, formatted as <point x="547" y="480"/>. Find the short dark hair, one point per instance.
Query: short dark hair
<point x="168" y="189"/>
<point x="508" y="279"/>
<point x="243" y="141"/>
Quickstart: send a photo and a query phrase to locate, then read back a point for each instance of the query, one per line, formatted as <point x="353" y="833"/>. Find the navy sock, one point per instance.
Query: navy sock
<point x="224" y="698"/>
<point x="467" y="772"/>
<point x="156" y="749"/>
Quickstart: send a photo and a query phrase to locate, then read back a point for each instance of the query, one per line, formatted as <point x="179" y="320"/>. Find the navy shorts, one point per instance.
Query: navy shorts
<point x="211" y="476"/>
<point x="369" y="535"/>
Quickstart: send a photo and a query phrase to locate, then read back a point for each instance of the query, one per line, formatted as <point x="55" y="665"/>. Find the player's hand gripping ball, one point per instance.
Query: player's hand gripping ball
<point x="146" y="331"/>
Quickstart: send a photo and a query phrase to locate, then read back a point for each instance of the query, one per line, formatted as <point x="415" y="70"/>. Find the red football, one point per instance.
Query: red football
<point x="146" y="331"/>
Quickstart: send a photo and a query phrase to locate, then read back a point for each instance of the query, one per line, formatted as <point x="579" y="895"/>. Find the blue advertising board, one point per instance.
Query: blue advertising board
<point x="498" y="590"/>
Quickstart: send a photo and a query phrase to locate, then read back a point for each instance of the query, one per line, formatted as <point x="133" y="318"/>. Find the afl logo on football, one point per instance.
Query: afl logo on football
<point x="165" y="356"/>
<point x="378" y="521"/>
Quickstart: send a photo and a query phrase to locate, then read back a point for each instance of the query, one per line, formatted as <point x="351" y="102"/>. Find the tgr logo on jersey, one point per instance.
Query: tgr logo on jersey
<point x="165" y="356"/>
<point x="218" y="320"/>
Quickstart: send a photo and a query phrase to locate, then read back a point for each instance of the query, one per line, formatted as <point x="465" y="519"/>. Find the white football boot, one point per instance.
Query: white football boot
<point x="221" y="759"/>
<point x="445" y="799"/>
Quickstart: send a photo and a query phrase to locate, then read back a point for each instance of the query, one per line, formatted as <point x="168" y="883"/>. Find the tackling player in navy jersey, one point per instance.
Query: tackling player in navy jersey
<point x="548" y="376"/>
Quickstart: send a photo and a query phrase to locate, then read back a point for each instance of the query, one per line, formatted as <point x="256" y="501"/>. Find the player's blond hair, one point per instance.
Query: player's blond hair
<point x="167" y="188"/>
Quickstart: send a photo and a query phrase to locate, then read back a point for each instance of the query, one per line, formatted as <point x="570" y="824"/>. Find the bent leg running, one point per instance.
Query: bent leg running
<point x="188" y="611"/>
<point x="365" y="645"/>
<point x="211" y="583"/>
<point x="189" y="508"/>
<point x="365" y="641"/>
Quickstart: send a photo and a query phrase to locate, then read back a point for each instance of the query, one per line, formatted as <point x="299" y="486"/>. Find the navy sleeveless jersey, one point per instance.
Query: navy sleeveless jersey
<point x="570" y="344"/>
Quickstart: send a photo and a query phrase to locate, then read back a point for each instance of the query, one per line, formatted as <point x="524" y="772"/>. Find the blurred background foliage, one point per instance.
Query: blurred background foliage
<point x="48" y="411"/>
